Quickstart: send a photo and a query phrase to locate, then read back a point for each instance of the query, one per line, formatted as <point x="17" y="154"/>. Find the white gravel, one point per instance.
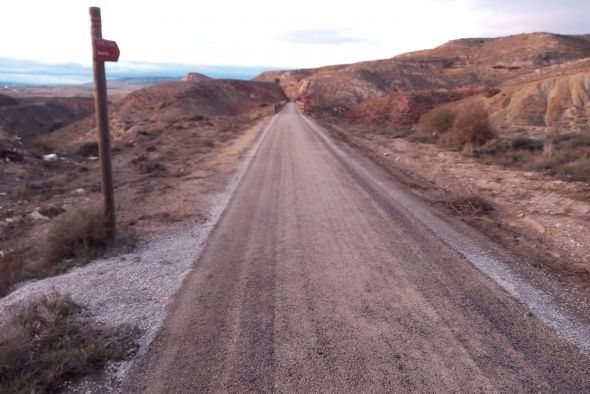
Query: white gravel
<point x="134" y="289"/>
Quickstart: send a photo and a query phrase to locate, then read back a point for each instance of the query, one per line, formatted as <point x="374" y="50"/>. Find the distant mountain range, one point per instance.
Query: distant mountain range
<point x="15" y="72"/>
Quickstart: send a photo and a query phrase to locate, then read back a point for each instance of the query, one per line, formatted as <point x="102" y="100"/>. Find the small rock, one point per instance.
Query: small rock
<point x="10" y="220"/>
<point x="79" y="192"/>
<point x="35" y="215"/>
<point x="1" y="253"/>
<point x="50" y="157"/>
<point x="386" y="154"/>
<point x="555" y="255"/>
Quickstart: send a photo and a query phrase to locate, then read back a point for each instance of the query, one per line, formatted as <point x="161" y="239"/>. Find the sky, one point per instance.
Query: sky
<point x="270" y="34"/>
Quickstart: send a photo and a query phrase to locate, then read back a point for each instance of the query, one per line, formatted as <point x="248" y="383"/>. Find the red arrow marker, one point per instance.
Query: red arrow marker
<point x="105" y="50"/>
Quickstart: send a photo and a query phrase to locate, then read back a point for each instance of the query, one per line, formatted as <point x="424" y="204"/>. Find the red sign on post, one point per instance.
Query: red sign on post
<point x="105" y="50"/>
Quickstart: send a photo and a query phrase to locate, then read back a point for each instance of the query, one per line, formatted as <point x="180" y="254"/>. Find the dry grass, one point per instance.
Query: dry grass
<point x="471" y="127"/>
<point x="45" y="344"/>
<point x="75" y="238"/>
<point x="11" y="271"/>
<point x="467" y="125"/>
<point x="439" y="119"/>
<point x="472" y="205"/>
<point x="45" y="144"/>
<point x="565" y="157"/>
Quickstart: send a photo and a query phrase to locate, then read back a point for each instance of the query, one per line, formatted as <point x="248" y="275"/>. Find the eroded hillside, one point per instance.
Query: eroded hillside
<point x="532" y="72"/>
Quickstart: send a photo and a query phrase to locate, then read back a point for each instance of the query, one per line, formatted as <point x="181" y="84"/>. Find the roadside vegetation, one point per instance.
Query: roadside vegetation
<point x="467" y="128"/>
<point x="461" y="128"/>
<point x="74" y="238"/>
<point x="565" y="156"/>
<point x="46" y="343"/>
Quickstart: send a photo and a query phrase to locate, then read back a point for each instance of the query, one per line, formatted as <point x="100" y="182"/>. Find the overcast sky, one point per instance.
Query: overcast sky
<point x="282" y="34"/>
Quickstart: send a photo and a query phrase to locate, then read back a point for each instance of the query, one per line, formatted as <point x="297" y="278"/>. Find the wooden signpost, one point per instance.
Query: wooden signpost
<point x="103" y="51"/>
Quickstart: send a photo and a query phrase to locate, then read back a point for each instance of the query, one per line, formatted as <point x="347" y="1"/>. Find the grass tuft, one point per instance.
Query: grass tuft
<point x="469" y="206"/>
<point x="76" y="237"/>
<point x="46" y="343"/>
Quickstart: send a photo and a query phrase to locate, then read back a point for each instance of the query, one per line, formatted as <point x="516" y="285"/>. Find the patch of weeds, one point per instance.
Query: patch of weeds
<point x="440" y="120"/>
<point x="578" y="170"/>
<point x="153" y="168"/>
<point x="565" y="157"/>
<point x="524" y="143"/>
<point x="76" y="237"/>
<point x="45" y="344"/>
<point x="11" y="271"/>
<point x="457" y="128"/>
<point x="469" y="206"/>
<point x="471" y="127"/>
<point x="88" y="149"/>
<point x="44" y="144"/>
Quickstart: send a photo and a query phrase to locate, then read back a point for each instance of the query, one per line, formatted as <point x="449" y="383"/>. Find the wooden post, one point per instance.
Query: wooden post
<point x="102" y="122"/>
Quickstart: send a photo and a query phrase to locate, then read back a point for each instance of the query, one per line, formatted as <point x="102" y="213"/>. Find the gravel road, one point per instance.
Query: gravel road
<point x="323" y="275"/>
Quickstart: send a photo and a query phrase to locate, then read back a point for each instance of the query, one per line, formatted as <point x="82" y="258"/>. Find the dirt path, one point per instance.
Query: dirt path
<point x="323" y="275"/>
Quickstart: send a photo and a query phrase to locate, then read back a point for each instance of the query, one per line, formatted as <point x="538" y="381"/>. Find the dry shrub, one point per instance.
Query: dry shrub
<point x="76" y="237"/>
<point x="472" y="205"/>
<point x="153" y="168"/>
<point x="45" y="344"/>
<point x="578" y="170"/>
<point x="471" y="127"/>
<point x="11" y="271"/>
<point x="439" y="120"/>
<point x="45" y="143"/>
<point x="525" y="143"/>
<point x="88" y="149"/>
<point x="565" y="156"/>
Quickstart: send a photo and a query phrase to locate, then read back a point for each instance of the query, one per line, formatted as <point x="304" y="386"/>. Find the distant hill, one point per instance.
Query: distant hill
<point x="29" y="116"/>
<point x="400" y="89"/>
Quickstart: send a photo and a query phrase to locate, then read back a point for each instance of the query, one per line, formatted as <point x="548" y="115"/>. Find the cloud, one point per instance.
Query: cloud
<point x="322" y="37"/>
<point x="503" y="17"/>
